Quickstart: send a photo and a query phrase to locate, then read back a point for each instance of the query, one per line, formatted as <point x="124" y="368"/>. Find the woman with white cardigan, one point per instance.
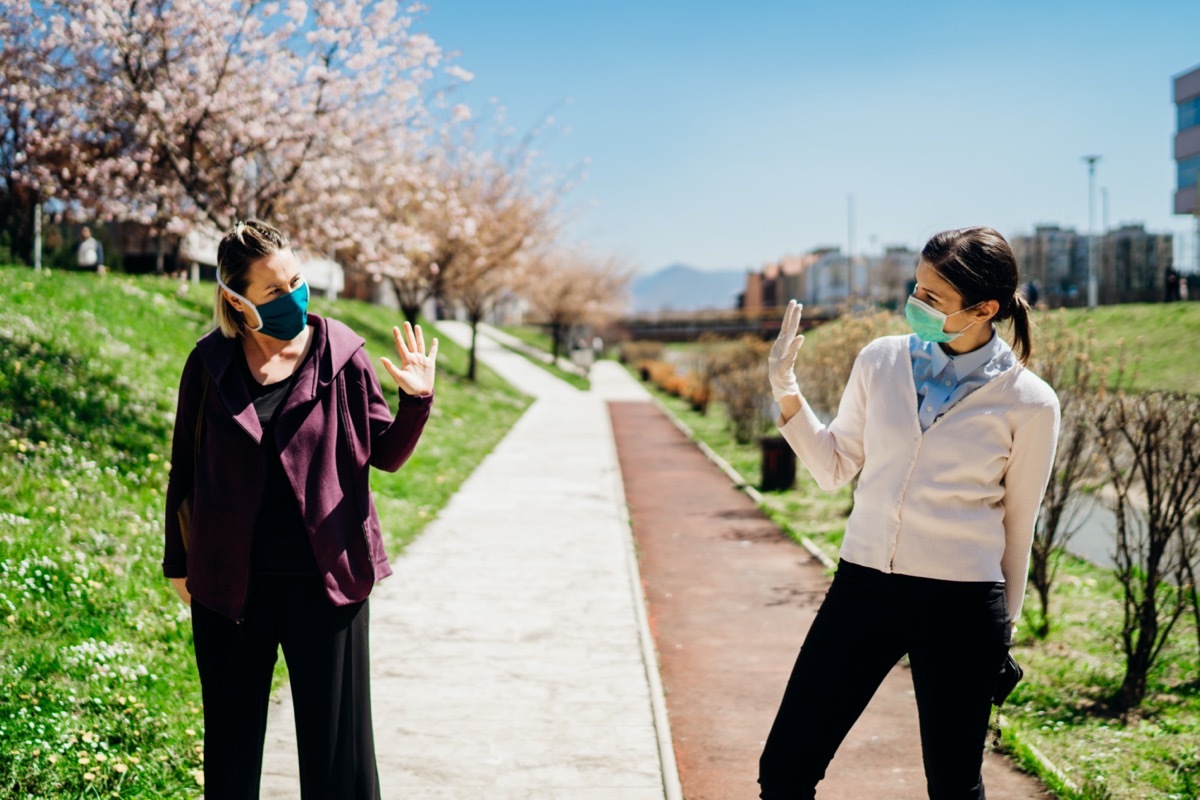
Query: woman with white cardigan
<point x="953" y="441"/>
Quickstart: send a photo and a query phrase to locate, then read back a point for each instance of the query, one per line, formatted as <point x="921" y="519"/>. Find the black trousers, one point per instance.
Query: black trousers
<point x="326" y="649"/>
<point x="955" y="634"/>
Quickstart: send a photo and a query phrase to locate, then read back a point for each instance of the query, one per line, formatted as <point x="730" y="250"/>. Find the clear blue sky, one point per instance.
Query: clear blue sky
<point x="728" y="134"/>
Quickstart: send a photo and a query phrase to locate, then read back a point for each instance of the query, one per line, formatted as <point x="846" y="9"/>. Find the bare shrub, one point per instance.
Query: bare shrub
<point x="1151" y="445"/>
<point x="823" y="367"/>
<point x="1066" y="359"/>
<point x="635" y="351"/>
<point x="739" y="374"/>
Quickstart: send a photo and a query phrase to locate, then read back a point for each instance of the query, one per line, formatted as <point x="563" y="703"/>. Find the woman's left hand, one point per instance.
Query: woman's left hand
<point x="416" y="373"/>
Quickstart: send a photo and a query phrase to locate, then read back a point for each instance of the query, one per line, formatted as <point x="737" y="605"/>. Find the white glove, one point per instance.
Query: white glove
<point x="782" y="360"/>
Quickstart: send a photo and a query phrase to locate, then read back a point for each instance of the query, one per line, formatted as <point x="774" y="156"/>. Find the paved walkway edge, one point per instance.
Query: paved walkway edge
<point x="672" y="788"/>
<point x="741" y="483"/>
<point x="1044" y="763"/>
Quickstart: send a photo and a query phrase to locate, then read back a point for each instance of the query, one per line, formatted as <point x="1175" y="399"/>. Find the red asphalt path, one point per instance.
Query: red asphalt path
<point x="730" y="599"/>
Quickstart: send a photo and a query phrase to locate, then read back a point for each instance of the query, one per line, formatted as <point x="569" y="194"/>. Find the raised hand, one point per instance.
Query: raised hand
<point x="782" y="360"/>
<point x="417" y="369"/>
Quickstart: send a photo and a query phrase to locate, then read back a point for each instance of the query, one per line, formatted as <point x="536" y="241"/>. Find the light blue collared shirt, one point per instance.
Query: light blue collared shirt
<point x="942" y="380"/>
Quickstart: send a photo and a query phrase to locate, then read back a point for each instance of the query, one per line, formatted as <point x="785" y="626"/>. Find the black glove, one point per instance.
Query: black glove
<point x="1010" y="675"/>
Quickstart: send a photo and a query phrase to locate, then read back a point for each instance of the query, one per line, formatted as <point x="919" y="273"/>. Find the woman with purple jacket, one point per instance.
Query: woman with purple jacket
<point x="283" y="542"/>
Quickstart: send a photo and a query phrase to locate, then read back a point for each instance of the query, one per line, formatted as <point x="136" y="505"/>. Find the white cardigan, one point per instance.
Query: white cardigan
<point x="957" y="502"/>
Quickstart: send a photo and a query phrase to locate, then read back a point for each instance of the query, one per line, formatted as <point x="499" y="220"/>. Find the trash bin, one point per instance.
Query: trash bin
<point x="778" y="464"/>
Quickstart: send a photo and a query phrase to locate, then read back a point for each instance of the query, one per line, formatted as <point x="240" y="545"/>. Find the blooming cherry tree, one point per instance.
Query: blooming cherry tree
<point x="565" y="288"/>
<point x="225" y="108"/>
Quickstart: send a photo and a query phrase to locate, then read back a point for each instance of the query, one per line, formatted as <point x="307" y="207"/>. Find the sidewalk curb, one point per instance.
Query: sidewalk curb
<point x="672" y="787"/>
<point x="741" y="483"/>
<point x="1043" y="761"/>
<point x="513" y="343"/>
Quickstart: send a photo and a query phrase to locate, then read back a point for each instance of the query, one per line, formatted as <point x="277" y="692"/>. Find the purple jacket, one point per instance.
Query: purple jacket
<point x="333" y="426"/>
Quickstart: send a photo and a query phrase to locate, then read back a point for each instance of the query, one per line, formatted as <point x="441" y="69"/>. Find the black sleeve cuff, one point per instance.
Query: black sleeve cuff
<point x="407" y="399"/>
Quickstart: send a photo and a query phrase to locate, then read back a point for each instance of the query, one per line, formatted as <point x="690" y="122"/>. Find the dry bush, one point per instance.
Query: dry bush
<point x="1151" y="445"/>
<point x="739" y="380"/>
<point x="703" y="363"/>
<point x="635" y="351"/>
<point x="676" y="385"/>
<point x="1066" y="359"/>
<point x="699" y="392"/>
<point x="659" y="371"/>
<point x="823" y="366"/>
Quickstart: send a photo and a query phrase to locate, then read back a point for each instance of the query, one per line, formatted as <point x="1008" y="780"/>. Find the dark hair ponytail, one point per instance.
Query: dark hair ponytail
<point x="980" y="264"/>
<point x="1022" y="338"/>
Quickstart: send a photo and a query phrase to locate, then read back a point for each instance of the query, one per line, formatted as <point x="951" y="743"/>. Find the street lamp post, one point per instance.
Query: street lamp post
<point x="850" y="248"/>
<point x="37" y="237"/>
<point x="1093" y="286"/>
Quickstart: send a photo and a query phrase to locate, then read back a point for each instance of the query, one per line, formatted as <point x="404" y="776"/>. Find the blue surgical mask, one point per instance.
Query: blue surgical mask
<point x="282" y="318"/>
<point x="929" y="323"/>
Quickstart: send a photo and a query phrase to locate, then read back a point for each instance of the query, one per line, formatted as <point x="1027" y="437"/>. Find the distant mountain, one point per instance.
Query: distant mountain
<point x="683" y="288"/>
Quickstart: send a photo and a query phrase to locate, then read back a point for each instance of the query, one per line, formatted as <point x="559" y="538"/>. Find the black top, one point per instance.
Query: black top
<point x="281" y="545"/>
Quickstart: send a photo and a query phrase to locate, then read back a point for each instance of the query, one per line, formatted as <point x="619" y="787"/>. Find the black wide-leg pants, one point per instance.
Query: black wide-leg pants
<point x="327" y="653"/>
<point x="956" y="635"/>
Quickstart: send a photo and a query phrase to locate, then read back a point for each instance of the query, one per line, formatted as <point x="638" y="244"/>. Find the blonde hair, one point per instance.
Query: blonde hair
<point x="248" y="241"/>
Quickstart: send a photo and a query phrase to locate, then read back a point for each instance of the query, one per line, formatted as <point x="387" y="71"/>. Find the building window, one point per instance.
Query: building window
<point x="1189" y="172"/>
<point x="1189" y="113"/>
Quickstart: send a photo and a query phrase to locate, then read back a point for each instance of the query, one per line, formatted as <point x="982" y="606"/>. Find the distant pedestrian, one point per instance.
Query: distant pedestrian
<point x="952" y="440"/>
<point x="283" y="543"/>
<point x="1173" y="282"/>
<point x="1031" y="293"/>
<point x="89" y="253"/>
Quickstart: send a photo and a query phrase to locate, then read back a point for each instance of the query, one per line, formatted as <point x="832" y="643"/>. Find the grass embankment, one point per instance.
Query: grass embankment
<point x="98" y="691"/>
<point x="1060" y="707"/>
<point x="1162" y="336"/>
<point x="534" y="337"/>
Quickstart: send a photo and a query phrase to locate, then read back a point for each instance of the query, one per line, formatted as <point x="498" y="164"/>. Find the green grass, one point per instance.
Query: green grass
<point x="1161" y="336"/>
<point x="98" y="690"/>
<point x="1060" y="706"/>
<point x="580" y="382"/>
<point x="534" y="335"/>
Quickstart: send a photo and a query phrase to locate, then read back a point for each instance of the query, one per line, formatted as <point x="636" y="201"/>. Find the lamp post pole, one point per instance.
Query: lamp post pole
<point x="1093" y="285"/>
<point x="37" y="237"/>
<point x="850" y="248"/>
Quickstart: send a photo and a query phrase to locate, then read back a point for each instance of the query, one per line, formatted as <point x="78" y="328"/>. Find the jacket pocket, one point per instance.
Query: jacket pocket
<point x="347" y="432"/>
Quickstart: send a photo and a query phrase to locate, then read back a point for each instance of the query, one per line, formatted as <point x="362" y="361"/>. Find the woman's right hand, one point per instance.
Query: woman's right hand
<point x="781" y="363"/>
<point x="180" y="585"/>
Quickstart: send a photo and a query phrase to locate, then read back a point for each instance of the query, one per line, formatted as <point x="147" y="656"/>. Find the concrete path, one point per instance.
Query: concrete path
<point x="509" y="649"/>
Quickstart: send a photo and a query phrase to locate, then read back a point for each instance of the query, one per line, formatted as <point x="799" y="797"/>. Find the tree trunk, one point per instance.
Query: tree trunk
<point x="158" y="253"/>
<point x="1194" y="596"/>
<point x="1040" y="578"/>
<point x="1137" y="665"/>
<point x="1043" y="627"/>
<point x="555" y="337"/>
<point x="22" y="231"/>
<point x="410" y="312"/>
<point x="474" y="336"/>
